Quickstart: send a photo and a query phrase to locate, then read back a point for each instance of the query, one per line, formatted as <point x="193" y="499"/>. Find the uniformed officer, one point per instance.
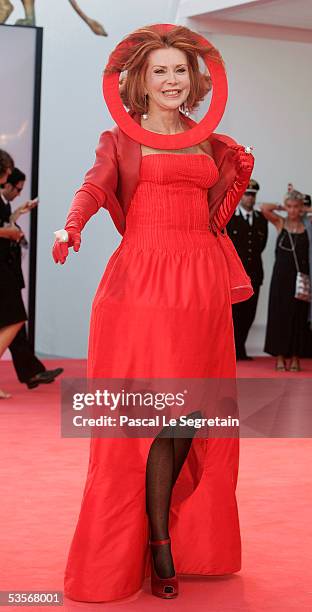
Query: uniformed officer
<point x="248" y="229"/>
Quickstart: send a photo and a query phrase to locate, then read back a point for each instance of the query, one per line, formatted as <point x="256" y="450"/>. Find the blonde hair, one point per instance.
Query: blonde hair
<point x="293" y="194"/>
<point x="133" y="58"/>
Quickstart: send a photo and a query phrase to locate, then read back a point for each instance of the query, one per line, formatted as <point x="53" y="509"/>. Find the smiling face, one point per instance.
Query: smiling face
<point x="167" y="81"/>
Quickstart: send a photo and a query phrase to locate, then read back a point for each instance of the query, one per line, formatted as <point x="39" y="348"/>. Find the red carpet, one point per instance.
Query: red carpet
<point x="42" y="477"/>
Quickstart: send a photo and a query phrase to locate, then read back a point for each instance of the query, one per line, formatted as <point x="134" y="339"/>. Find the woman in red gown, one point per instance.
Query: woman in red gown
<point x="162" y="310"/>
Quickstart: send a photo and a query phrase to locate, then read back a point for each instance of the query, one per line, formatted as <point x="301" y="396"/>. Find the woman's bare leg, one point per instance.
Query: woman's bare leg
<point x="7" y="334"/>
<point x="280" y="363"/>
<point x="294" y="363"/>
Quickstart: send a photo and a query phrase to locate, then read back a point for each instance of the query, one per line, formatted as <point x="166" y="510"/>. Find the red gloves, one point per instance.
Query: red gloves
<point x="244" y="164"/>
<point x="60" y="249"/>
<point x="100" y="180"/>
<point x="83" y="207"/>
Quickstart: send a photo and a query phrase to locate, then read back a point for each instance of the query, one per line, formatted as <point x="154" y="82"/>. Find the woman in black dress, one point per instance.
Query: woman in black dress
<point x="12" y="311"/>
<point x="287" y="331"/>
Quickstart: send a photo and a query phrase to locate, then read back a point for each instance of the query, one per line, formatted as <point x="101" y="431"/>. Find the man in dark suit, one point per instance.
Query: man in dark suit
<point x="248" y="229"/>
<point x="28" y="368"/>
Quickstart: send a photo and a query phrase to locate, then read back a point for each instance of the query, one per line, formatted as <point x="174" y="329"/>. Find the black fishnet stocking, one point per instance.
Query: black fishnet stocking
<point x="159" y="482"/>
<point x="165" y="460"/>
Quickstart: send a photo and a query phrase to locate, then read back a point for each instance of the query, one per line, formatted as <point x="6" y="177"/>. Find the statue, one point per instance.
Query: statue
<point x="6" y="8"/>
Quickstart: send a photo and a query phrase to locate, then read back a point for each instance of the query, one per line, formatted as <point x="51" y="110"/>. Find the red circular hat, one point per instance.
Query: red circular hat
<point x="195" y="135"/>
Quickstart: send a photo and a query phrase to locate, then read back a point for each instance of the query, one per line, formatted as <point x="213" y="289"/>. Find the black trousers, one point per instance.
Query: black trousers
<point x="25" y="361"/>
<point x="243" y="317"/>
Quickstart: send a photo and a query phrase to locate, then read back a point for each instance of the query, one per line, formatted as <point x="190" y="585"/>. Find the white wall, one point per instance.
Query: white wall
<point x="269" y="107"/>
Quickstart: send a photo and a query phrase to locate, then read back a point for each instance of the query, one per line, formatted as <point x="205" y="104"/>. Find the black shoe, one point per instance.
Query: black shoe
<point x="43" y="378"/>
<point x="53" y="373"/>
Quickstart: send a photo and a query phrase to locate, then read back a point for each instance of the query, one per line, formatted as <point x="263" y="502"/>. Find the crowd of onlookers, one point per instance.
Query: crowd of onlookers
<point x="13" y="335"/>
<point x="289" y="319"/>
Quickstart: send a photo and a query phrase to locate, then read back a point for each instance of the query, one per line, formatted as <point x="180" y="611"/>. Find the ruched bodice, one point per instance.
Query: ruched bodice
<point x="198" y="170"/>
<point x="171" y="199"/>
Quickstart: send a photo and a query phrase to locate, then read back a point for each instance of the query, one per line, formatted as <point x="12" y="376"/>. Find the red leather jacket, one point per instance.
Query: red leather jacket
<point x="113" y="178"/>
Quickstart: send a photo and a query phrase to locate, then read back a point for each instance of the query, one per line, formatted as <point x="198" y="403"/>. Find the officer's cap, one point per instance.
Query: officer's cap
<point x="253" y="186"/>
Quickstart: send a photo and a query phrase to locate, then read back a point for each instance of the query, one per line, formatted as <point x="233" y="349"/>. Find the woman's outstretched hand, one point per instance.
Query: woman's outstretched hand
<point x="61" y="246"/>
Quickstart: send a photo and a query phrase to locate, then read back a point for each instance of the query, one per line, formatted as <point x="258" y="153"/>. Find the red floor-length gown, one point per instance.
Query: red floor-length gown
<point x="162" y="309"/>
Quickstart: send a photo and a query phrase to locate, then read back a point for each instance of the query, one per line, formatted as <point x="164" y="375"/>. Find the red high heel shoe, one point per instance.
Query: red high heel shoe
<point x="163" y="587"/>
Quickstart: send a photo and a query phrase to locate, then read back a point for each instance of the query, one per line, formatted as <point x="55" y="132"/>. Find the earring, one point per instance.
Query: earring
<point x="185" y="109"/>
<point x="145" y="115"/>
